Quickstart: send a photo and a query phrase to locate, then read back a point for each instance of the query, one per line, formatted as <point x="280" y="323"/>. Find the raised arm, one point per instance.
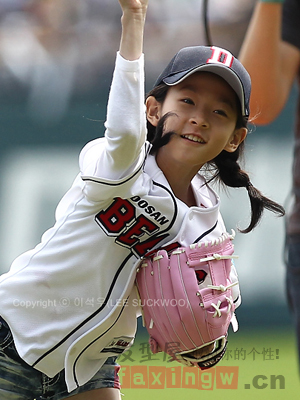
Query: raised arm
<point x="133" y="21"/>
<point x="124" y="151"/>
<point x="271" y="63"/>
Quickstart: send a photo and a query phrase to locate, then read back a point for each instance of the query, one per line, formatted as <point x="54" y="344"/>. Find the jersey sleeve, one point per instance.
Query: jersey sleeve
<point x="121" y="151"/>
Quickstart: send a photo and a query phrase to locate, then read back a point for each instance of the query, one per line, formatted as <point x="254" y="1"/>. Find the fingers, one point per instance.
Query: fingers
<point x="133" y="5"/>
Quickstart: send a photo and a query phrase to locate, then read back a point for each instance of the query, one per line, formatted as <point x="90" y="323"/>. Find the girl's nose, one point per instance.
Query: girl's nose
<point x="200" y="121"/>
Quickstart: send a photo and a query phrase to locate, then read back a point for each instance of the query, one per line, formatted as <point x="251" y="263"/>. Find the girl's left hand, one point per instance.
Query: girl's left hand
<point x="133" y="5"/>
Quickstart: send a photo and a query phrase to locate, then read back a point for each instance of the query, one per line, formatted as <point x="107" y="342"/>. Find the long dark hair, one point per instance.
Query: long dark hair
<point x="225" y="168"/>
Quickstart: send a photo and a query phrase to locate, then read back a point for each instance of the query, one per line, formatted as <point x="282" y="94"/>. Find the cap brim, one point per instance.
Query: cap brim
<point x="224" y="72"/>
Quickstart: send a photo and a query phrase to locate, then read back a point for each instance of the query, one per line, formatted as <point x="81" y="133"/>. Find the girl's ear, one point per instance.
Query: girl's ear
<point x="236" y="139"/>
<point x="153" y="108"/>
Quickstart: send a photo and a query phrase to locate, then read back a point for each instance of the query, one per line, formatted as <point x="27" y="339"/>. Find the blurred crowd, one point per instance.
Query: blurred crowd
<point x="53" y="50"/>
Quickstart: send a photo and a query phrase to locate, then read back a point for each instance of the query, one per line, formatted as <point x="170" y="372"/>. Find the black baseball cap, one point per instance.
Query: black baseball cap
<point x="209" y="59"/>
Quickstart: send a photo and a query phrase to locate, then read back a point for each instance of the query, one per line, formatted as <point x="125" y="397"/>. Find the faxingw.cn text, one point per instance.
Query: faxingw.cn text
<point x="160" y="377"/>
<point x="223" y="377"/>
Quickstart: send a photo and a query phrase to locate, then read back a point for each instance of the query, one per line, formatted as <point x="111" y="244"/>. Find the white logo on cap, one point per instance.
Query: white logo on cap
<point x="220" y="56"/>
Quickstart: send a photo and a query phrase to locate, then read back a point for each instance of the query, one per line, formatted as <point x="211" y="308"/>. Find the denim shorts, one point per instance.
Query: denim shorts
<point x="20" y="381"/>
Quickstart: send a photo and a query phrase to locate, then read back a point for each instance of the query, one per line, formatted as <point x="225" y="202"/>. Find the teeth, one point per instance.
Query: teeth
<point x="194" y="138"/>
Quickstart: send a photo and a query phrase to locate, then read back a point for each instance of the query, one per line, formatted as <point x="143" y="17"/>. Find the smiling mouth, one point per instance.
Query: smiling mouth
<point x="193" y="138"/>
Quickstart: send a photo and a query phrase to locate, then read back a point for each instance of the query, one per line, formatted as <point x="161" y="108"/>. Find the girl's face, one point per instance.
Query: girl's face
<point x="203" y="117"/>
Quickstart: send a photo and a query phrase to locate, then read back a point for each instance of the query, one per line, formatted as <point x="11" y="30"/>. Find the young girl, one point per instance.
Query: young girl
<point x="67" y="306"/>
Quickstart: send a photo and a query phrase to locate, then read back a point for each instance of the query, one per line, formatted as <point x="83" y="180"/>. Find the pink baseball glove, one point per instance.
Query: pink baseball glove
<point x="188" y="298"/>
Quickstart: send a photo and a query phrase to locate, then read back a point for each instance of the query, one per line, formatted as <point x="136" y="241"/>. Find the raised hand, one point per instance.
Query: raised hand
<point x="133" y="5"/>
<point x="133" y="21"/>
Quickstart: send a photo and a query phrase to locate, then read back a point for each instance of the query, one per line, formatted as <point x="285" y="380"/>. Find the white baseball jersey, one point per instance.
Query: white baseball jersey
<point x="70" y="301"/>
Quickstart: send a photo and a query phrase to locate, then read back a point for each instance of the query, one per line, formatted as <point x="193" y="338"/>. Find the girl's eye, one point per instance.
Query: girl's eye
<point x="221" y="112"/>
<point x="188" y="101"/>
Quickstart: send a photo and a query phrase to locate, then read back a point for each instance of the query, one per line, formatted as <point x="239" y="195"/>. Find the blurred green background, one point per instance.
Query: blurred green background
<point x="56" y="63"/>
<point x="266" y="361"/>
